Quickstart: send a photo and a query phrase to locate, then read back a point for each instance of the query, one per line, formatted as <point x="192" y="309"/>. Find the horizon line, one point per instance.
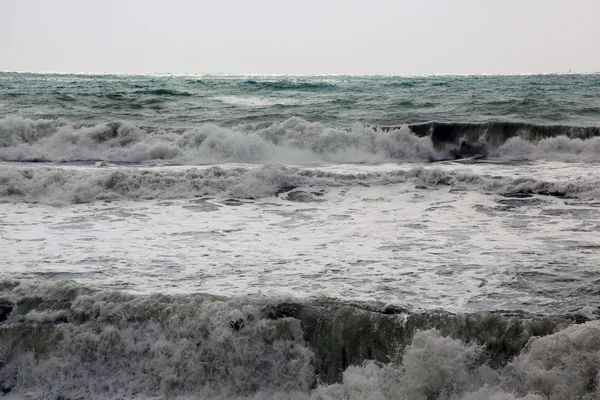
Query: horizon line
<point x="222" y="74"/>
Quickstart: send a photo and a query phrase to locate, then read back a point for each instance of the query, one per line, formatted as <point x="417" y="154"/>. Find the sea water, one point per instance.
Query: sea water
<point x="296" y="237"/>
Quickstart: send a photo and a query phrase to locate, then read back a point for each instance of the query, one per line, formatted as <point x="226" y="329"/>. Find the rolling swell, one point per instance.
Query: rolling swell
<point x="286" y="84"/>
<point x="66" y="340"/>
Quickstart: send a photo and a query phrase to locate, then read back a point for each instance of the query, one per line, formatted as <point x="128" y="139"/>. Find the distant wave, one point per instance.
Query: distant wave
<point x="69" y="341"/>
<point x="286" y="84"/>
<point x="293" y="141"/>
<point x="163" y="92"/>
<point x="59" y="185"/>
<point x="254" y="101"/>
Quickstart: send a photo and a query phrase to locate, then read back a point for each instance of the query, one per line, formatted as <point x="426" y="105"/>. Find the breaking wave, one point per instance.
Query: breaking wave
<point x="64" y="340"/>
<point x="293" y="141"/>
<point x="290" y="84"/>
<point x="498" y="132"/>
<point x="60" y="185"/>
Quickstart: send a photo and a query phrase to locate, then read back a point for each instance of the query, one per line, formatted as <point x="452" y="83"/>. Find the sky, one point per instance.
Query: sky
<point x="395" y="37"/>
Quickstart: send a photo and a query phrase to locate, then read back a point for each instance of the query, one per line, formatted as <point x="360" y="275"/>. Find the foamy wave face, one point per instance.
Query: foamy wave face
<point x="293" y="141"/>
<point x="124" y="347"/>
<point x="561" y="366"/>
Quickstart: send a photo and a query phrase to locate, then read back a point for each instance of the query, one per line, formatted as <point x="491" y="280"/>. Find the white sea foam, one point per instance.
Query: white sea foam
<point x="73" y="184"/>
<point x="367" y="231"/>
<point x="559" y="148"/>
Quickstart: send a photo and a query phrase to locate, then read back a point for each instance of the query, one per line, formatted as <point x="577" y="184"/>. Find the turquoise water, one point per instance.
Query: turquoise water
<point x="184" y="101"/>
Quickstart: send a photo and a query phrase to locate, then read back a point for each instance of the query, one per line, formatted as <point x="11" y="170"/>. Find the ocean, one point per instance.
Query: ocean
<point x="299" y="237"/>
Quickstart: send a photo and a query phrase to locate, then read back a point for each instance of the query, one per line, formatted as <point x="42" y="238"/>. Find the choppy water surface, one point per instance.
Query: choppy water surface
<point x="299" y="237"/>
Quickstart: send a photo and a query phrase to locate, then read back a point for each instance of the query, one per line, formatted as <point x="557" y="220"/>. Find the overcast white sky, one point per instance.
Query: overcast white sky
<point x="301" y="37"/>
